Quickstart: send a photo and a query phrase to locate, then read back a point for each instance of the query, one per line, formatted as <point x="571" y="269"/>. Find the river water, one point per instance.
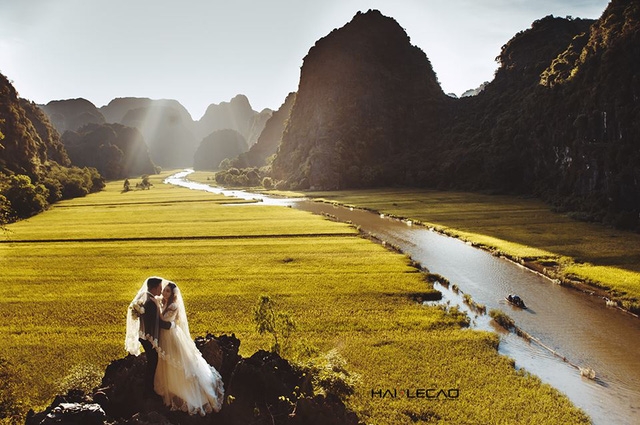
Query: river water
<point x="580" y="328"/>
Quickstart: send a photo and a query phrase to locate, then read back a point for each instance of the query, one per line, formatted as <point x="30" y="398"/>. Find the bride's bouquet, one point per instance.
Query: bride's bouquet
<point x="137" y="309"/>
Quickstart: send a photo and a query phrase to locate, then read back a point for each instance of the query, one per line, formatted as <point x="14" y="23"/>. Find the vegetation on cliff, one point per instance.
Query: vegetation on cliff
<point x="35" y="169"/>
<point x="116" y="151"/>
<point x="558" y="121"/>
<point x="367" y="100"/>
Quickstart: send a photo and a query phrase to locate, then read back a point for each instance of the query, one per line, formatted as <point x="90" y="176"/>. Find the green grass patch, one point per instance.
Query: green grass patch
<point x="69" y="274"/>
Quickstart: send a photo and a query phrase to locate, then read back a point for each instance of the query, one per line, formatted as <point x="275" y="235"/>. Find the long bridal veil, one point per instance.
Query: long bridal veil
<point x="181" y="317"/>
<point x="131" y="340"/>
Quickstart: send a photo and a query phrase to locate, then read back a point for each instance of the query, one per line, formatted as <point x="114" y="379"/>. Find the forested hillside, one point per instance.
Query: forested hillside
<point x="559" y="120"/>
<point x="367" y="99"/>
<point x="115" y="150"/>
<point x="35" y="169"/>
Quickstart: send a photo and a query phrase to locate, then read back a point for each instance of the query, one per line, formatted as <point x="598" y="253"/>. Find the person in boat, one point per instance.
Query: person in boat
<point x="515" y="299"/>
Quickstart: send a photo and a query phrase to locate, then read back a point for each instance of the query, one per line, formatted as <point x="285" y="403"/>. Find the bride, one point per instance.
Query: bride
<point x="183" y="377"/>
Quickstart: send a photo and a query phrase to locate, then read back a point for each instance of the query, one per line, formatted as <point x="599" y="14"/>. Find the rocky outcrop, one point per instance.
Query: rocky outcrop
<point x="262" y="389"/>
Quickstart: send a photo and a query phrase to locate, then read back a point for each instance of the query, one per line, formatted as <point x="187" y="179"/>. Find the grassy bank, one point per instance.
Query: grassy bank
<point x="69" y="274"/>
<point x="526" y="230"/>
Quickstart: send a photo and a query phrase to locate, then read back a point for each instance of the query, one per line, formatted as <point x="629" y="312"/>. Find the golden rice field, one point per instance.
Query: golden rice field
<point x="68" y="275"/>
<point x="520" y="228"/>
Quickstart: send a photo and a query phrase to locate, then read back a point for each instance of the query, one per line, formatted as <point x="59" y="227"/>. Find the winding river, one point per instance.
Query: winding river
<point x="580" y="329"/>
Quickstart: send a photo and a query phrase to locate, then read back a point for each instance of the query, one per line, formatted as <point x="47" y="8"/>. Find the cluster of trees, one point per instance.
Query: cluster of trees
<point x="244" y="177"/>
<point x="35" y="170"/>
<point x="22" y="197"/>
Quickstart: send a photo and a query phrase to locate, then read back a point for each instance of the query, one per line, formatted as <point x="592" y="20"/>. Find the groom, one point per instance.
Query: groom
<point x="150" y="326"/>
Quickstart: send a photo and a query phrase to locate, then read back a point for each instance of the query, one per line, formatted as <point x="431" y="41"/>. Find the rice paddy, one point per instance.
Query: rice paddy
<point x="68" y="275"/>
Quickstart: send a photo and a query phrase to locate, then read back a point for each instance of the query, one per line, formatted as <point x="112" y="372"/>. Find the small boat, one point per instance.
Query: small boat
<point x="515" y="300"/>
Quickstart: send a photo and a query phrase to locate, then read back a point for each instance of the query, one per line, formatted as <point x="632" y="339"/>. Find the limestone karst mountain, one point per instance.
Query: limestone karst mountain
<point x="35" y="169"/>
<point x="169" y="137"/>
<point x="72" y="114"/>
<point x="115" y="111"/>
<point x="171" y="133"/>
<point x="237" y="115"/>
<point x="367" y="99"/>
<point x="115" y="150"/>
<point x="219" y="145"/>
<point x="270" y="137"/>
<point x="558" y="121"/>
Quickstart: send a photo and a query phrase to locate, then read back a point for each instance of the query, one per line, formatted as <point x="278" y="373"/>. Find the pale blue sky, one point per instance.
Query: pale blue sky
<point x="206" y="51"/>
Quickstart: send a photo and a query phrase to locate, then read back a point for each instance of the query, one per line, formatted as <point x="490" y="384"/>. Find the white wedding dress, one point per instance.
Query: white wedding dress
<point x="183" y="377"/>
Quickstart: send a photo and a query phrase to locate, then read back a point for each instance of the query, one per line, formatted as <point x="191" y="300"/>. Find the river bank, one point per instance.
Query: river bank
<point x="589" y="257"/>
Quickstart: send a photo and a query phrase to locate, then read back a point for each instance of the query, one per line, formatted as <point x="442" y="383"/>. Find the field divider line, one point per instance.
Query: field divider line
<point x="173" y="201"/>
<point x="180" y="238"/>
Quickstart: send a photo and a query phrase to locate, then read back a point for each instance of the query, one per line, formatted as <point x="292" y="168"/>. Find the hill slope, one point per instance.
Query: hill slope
<point x="34" y="166"/>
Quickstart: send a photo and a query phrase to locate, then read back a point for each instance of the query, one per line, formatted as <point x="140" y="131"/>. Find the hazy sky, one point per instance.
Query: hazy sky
<point x="207" y="51"/>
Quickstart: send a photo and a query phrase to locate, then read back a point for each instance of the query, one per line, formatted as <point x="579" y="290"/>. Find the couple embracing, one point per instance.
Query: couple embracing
<point x="157" y="322"/>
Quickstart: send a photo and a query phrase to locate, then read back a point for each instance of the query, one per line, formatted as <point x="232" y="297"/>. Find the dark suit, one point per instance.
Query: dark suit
<point x="151" y="324"/>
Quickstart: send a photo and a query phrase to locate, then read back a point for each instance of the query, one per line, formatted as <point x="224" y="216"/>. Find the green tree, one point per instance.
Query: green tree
<point x="225" y="164"/>
<point x="267" y="183"/>
<point x="26" y="198"/>
<point x="5" y="212"/>
<point x="269" y="320"/>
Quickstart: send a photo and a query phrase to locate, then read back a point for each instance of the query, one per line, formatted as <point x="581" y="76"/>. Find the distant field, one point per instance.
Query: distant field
<point x="520" y="228"/>
<point x="68" y="275"/>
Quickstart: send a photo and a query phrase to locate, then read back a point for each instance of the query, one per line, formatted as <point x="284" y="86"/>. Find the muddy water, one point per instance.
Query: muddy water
<point x="581" y="329"/>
